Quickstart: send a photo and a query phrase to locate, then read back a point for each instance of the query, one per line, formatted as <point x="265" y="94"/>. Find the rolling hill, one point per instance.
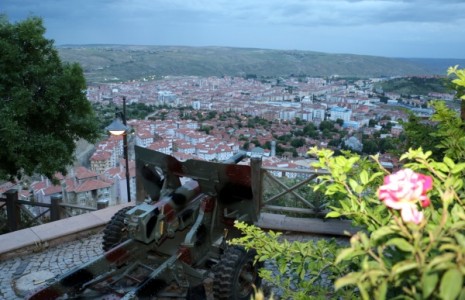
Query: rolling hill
<point x="103" y="63"/>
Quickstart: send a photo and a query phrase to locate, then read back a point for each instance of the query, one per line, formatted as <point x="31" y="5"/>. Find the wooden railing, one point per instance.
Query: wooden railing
<point x="17" y="210"/>
<point x="288" y="191"/>
<point x="276" y="190"/>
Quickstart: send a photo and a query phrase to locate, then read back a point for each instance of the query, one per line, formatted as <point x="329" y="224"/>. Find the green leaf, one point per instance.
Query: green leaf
<point x="451" y="284"/>
<point x="429" y="282"/>
<point x="382" y="290"/>
<point x="333" y="214"/>
<point x="349" y="279"/>
<point x="364" y="177"/>
<point x="460" y="224"/>
<point x="449" y="162"/>
<point x="333" y="189"/>
<point x="363" y="291"/>
<point x="460" y="239"/>
<point x="282" y="268"/>
<point x="401" y="244"/>
<point x="375" y="175"/>
<point x="381" y="232"/>
<point x="403" y="266"/>
<point x="353" y="184"/>
<point x="441" y="261"/>
<point x="462" y="294"/>
<point x="442" y="167"/>
<point x="347" y="253"/>
<point x="458" y="168"/>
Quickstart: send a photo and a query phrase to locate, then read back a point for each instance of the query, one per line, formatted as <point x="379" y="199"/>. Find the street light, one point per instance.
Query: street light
<point x="118" y="128"/>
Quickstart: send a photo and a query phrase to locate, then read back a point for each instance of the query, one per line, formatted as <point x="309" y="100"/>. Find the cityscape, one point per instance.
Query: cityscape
<point x="232" y="150"/>
<point x="280" y="101"/>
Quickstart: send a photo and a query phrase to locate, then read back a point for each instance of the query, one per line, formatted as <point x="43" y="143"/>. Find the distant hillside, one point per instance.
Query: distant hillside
<point x="120" y="63"/>
<point x="436" y="65"/>
<point x="415" y="85"/>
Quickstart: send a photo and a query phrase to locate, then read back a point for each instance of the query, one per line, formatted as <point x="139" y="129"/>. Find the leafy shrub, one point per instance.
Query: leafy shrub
<point x="412" y="245"/>
<point x="304" y="269"/>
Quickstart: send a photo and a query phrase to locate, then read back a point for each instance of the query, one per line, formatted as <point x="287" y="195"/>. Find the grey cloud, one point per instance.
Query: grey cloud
<point x="290" y="12"/>
<point x="355" y="12"/>
<point x="340" y="25"/>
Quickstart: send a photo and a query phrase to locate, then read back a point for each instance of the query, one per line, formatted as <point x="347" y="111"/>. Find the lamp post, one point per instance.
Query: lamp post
<point x="118" y="128"/>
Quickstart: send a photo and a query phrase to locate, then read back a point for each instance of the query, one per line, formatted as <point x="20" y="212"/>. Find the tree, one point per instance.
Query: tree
<point x="418" y="133"/>
<point x="206" y="129"/>
<point x="311" y="130"/>
<point x="211" y="115"/>
<point x="334" y="142"/>
<point x="43" y="107"/>
<point x="299" y="122"/>
<point x="458" y="84"/>
<point x="327" y="124"/>
<point x="297" y="142"/>
<point x="369" y="147"/>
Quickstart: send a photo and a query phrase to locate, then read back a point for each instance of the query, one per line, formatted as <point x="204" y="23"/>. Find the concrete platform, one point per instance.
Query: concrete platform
<point x="38" y="238"/>
<point x="332" y="227"/>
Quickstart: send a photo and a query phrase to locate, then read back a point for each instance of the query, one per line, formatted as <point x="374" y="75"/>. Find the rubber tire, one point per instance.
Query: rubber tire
<point x="228" y="283"/>
<point x="115" y="231"/>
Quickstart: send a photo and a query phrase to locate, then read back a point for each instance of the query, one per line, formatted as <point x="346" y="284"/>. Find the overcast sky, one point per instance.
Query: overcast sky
<point x="393" y="28"/>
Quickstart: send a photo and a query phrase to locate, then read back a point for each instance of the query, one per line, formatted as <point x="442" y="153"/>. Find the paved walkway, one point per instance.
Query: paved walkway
<point x="56" y="260"/>
<point x="54" y="248"/>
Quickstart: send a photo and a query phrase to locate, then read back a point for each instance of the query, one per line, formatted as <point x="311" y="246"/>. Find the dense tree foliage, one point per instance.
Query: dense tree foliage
<point x="257" y="122"/>
<point x="418" y="134"/>
<point x="43" y="107"/>
<point x="327" y="125"/>
<point x="414" y="85"/>
<point x="311" y="131"/>
<point x="297" y="142"/>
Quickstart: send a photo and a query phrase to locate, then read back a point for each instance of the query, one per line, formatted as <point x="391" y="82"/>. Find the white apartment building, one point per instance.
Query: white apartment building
<point x="337" y="112"/>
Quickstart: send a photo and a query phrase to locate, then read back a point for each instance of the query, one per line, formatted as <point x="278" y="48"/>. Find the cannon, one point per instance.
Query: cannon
<point x="174" y="240"/>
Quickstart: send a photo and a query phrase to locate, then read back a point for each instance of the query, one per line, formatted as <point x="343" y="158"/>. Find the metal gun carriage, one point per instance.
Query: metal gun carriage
<point x="175" y="238"/>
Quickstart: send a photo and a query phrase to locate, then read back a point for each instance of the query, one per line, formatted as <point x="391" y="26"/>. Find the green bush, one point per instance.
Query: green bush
<point x="412" y="242"/>
<point x="304" y="269"/>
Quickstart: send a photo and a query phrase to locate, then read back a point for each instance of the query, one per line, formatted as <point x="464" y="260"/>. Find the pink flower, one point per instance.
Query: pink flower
<point x="411" y="214"/>
<point x="403" y="189"/>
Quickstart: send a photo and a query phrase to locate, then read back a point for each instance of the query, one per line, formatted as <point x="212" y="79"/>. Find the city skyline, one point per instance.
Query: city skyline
<point x="390" y="28"/>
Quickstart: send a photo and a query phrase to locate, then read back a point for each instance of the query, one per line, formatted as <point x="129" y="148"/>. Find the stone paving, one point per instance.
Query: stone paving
<point x="57" y="260"/>
<point x="62" y="258"/>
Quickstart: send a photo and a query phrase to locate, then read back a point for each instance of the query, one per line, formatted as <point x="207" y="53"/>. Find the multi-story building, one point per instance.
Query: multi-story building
<point x="101" y="161"/>
<point x="161" y="146"/>
<point x="81" y="186"/>
<point x="144" y="138"/>
<point x="117" y="176"/>
<point x="337" y="112"/>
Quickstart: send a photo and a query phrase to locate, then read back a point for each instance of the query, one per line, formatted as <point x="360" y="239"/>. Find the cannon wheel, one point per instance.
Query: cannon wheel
<point x="116" y="230"/>
<point x="236" y="274"/>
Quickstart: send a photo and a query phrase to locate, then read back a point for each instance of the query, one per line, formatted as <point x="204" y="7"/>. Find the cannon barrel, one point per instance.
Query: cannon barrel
<point x="236" y="158"/>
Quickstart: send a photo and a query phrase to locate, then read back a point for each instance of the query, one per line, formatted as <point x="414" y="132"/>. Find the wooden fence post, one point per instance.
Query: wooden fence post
<point x="55" y="208"/>
<point x="12" y="210"/>
<point x="256" y="181"/>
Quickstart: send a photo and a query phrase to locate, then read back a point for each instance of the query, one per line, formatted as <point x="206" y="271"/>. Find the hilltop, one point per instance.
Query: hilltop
<point x="103" y="63"/>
